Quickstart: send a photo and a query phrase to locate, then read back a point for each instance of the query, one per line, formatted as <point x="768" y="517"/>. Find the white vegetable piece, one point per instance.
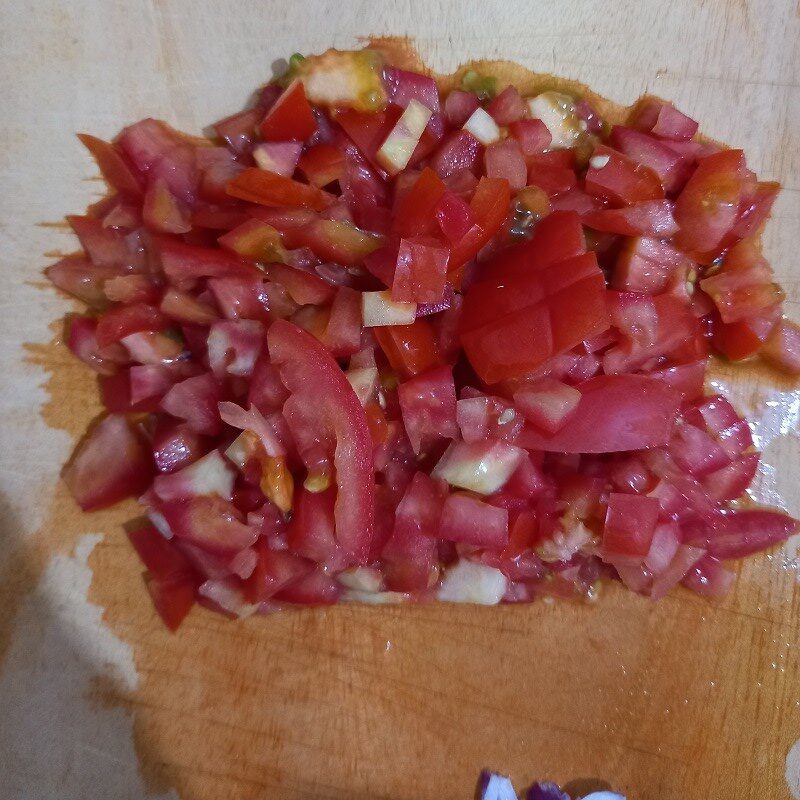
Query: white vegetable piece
<point x="209" y="475"/>
<point x="557" y="112"/>
<point x="604" y="796"/>
<point x="241" y="448"/>
<point x="469" y="582"/>
<point x="498" y="787"/>
<point x="483" y="467"/>
<point x="160" y="523"/>
<point x="360" y="579"/>
<point x="482" y="127"/>
<point x="343" y="78"/>
<point x="378" y="309"/>
<point x="364" y="382"/>
<point x="395" y="153"/>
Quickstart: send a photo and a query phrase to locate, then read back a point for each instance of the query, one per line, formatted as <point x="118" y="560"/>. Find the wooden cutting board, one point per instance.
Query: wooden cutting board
<point x="683" y="699"/>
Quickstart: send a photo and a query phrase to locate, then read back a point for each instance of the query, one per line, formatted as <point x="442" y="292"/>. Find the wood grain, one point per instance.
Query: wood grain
<point x="684" y="699"/>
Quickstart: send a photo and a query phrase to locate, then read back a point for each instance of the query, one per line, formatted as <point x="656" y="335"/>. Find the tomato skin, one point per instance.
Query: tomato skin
<point x="620" y="180"/>
<point x="649" y="218"/>
<point x="421" y="270"/>
<point x="645" y="410"/>
<point x="410" y="553"/>
<point x="410" y="349"/>
<point x="630" y="523"/>
<point x="322" y="164"/>
<point x="414" y="214"/>
<point x="533" y="304"/>
<point x="708" y="206"/>
<point x="110" y="464"/>
<point x="112" y="165"/>
<point x="289" y="118"/>
<point x="489" y="206"/>
<point x="308" y="371"/>
<point x="269" y="189"/>
<point x="428" y="406"/>
<point x="119" y="322"/>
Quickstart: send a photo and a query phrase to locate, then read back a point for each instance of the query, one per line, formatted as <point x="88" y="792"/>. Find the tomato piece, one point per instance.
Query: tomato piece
<point x="664" y="120"/>
<point x="648" y="265"/>
<point x="459" y="151"/>
<point x="745" y="532"/>
<point x="304" y="287"/>
<point x="195" y="400"/>
<point x="489" y="206"/>
<point x="185" y="263"/>
<point x="618" y="179"/>
<point x="368" y="130"/>
<point x="530" y="306"/>
<point x="548" y="403"/>
<point x="782" y="347"/>
<point x="269" y="189"/>
<point x="410" y="349"/>
<point x="504" y="159"/>
<point x="471" y="521"/>
<point x="671" y="167"/>
<point x="77" y="276"/>
<point x="110" y="464"/>
<point x="112" y="165"/>
<point x="209" y="522"/>
<point x="290" y="117"/>
<point x="650" y="218"/>
<point x="454" y="216"/>
<point x="274" y="570"/>
<point x="340" y="242"/>
<point x="311" y="373"/>
<point x="742" y="293"/>
<point x="629" y="526"/>
<point x="119" y="322"/>
<point x="428" y="406"/>
<point x="746" y="337"/>
<point x="322" y="164"/>
<point x="421" y="270"/>
<point x="410" y="554"/>
<point x="754" y="208"/>
<point x="414" y="214"/>
<point x="615" y="413"/>
<point x="707" y="208"/>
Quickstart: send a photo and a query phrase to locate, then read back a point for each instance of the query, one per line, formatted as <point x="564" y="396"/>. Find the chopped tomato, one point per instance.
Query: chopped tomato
<point x="410" y="349"/>
<point x="381" y="342"/>
<point x="708" y="206"/>
<point x="311" y="373"/>
<point x="290" y="117"/>
<point x="270" y="189"/>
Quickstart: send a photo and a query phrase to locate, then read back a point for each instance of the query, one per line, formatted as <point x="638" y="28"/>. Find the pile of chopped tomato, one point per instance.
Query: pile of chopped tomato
<point x="376" y="344"/>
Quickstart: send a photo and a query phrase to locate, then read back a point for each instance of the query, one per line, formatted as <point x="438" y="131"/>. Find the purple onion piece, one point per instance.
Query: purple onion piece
<point x="493" y="786"/>
<point x="546" y="791"/>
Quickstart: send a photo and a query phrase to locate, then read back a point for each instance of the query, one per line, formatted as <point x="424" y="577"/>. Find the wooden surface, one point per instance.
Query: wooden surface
<point x="681" y="700"/>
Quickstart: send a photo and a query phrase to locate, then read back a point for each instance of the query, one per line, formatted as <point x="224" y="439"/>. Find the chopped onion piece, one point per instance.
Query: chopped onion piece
<point x="483" y="127"/>
<point x="395" y="153"/>
<point x="378" y="309"/>
<point x="482" y="467"/>
<point x="364" y="382"/>
<point x="470" y="582"/>
<point x="557" y="111"/>
<point x="344" y="79"/>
